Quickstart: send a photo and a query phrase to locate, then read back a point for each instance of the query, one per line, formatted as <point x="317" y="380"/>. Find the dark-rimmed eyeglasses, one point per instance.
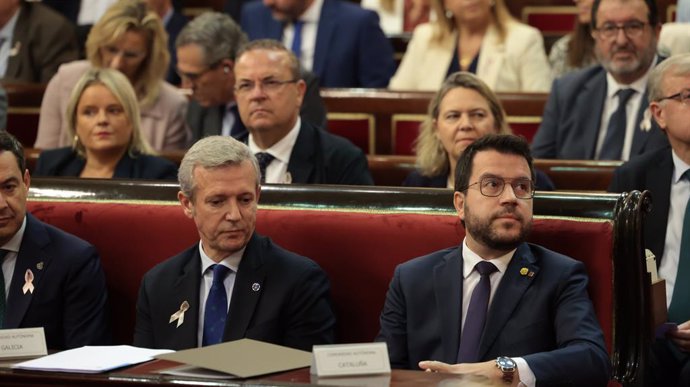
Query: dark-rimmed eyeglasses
<point x="682" y="97"/>
<point x="267" y="85"/>
<point x="493" y="186"/>
<point x="632" y="30"/>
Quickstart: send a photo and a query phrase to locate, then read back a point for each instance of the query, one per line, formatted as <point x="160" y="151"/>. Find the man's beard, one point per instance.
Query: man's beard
<point x="483" y="231"/>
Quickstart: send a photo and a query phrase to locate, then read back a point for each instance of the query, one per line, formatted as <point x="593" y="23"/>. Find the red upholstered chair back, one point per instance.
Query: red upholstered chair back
<point x="358" y="250"/>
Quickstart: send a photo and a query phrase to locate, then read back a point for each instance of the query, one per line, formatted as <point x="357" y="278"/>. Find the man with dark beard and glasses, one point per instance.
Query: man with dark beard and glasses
<point x="600" y="113"/>
<point x="497" y="306"/>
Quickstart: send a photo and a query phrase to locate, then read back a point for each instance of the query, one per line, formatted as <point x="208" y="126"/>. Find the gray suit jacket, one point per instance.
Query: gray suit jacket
<point x="572" y="116"/>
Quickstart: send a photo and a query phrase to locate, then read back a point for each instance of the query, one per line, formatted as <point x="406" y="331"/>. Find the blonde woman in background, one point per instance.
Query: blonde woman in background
<point x="480" y="37"/>
<point x="129" y="37"/>
<point x="103" y="120"/>
<point x="575" y="50"/>
<point x="463" y="110"/>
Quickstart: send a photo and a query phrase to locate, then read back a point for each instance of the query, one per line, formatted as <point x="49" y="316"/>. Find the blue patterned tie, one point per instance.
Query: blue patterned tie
<point x="476" y="315"/>
<point x="264" y="159"/>
<point x="297" y="37"/>
<point x="216" y="311"/>
<point x="615" y="133"/>
<point x="679" y="310"/>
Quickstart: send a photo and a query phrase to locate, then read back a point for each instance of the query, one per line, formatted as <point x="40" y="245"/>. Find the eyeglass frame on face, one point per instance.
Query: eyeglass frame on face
<point x="631" y="30"/>
<point x="194" y="77"/>
<point x="529" y="194"/>
<point x="267" y="85"/>
<point x="682" y="96"/>
<point x="110" y="49"/>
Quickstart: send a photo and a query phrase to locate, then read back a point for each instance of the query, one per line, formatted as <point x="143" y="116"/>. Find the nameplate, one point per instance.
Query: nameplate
<point x="350" y="359"/>
<point x="22" y="343"/>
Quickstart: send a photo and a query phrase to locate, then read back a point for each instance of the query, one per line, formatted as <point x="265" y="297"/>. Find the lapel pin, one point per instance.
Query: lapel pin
<point x="39" y="265"/>
<point x="256" y="287"/>
<point x="15" y="50"/>
<point x="530" y="274"/>
<point x="28" y="282"/>
<point x="179" y="315"/>
<point x="524" y="271"/>
<point x="288" y="178"/>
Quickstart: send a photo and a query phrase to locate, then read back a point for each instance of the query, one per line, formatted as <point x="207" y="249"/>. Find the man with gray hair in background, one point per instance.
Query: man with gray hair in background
<point x="206" y="50"/>
<point x="234" y="283"/>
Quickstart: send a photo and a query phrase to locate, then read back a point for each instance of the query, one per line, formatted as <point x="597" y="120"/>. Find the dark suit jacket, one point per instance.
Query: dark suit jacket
<point x="572" y="117"/>
<point x="208" y="121"/>
<point x="547" y="319"/>
<point x="351" y="49"/>
<point x="234" y="8"/>
<point x="416" y="179"/>
<point x="43" y="40"/>
<point x="652" y="171"/>
<point x="292" y="307"/>
<point x="70" y="294"/>
<point x="66" y="162"/>
<point x="173" y="27"/>
<point x="323" y="158"/>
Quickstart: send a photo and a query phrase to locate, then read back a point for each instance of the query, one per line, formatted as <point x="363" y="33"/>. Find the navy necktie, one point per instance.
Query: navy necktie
<point x="264" y="159"/>
<point x="612" y="149"/>
<point x="476" y="315"/>
<point x="297" y="37"/>
<point x="216" y="312"/>
<point x="3" y="296"/>
<point x="679" y="310"/>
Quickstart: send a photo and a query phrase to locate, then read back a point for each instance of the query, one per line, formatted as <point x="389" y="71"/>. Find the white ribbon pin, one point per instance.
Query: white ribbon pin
<point x="28" y="282"/>
<point x="179" y="315"/>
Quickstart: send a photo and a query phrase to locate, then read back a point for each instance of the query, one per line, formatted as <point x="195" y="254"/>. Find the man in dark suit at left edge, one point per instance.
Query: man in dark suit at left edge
<point x="234" y="283"/>
<point x="50" y="279"/>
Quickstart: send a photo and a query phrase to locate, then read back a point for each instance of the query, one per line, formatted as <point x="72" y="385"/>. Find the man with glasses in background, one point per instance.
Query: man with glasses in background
<point x="600" y="113"/>
<point x="206" y="50"/>
<point x="513" y="312"/>
<point x="666" y="173"/>
<point x="269" y="94"/>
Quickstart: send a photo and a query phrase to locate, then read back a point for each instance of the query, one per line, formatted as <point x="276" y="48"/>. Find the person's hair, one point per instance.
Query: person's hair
<point x="499" y="11"/>
<point x="10" y="143"/>
<point x="213" y="152"/>
<point x="676" y="65"/>
<point x="652" y="15"/>
<point x="119" y="85"/>
<point x="432" y="158"/>
<point x="387" y="5"/>
<point x="502" y="143"/>
<point x="580" y="46"/>
<point x="216" y="34"/>
<point x="273" y="45"/>
<point x="133" y="15"/>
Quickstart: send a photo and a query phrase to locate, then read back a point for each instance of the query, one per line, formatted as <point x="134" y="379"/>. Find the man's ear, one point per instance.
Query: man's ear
<point x="187" y="205"/>
<point x="459" y="203"/>
<point x="27" y="179"/>
<point x="658" y="114"/>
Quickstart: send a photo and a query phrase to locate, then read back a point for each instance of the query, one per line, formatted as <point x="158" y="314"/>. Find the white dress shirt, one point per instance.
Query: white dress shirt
<point x="276" y="172"/>
<point x="471" y="279"/>
<point x="233" y="262"/>
<point x="10" y="261"/>
<point x="632" y="108"/>
<point x="310" y="18"/>
<point x="680" y="194"/>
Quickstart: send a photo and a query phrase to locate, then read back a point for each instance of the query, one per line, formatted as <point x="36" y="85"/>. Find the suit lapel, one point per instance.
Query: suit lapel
<point x="20" y="34"/>
<point x="274" y="28"/>
<point x="186" y="288"/>
<point x="213" y="121"/>
<point x="491" y="57"/>
<point x="328" y="24"/>
<point x="448" y="295"/>
<point x="593" y="96"/>
<point x="659" y="183"/>
<point x="246" y="292"/>
<point x="31" y="257"/>
<point x="508" y="295"/>
<point x="302" y="159"/>
<point x="640" y="136"/>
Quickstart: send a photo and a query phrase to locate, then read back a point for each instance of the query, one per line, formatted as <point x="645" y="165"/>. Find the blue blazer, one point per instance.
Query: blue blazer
<point x="70" y="295"/>
<point x="351" y="49"/>
<point x="547" y="318"/>
<point x="291" y="308"/>
<point x="66" y="162"/>
<point x="572" y="116"/>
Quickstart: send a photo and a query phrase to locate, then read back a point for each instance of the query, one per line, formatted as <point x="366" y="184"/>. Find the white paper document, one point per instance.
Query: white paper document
<point x="91" y="359"/>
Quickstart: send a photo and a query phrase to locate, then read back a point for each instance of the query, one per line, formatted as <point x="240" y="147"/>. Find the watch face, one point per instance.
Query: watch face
<point x="506" y="364"/>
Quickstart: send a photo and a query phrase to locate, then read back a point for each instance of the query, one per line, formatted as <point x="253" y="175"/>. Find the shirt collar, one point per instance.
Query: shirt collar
<point x="312" y="13"/>
<point x="283" y="148"/>
<point x="232" y="261"/>
<point x="16" y="241"/>
<point x="679" y="167"/>
<point x="640" y="85"/>
<point x="470" y="260"/>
